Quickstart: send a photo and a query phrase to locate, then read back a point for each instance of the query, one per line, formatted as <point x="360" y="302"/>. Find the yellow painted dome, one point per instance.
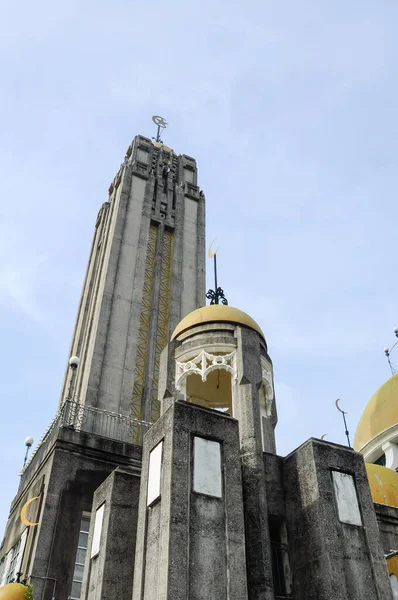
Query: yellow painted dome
<point x="383" y="484"/>
<point x="213" y="314"/>
<point x="380" y="413"/>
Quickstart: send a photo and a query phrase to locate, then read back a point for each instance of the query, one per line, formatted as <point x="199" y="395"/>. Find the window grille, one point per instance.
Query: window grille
<point x="80" y="559"/>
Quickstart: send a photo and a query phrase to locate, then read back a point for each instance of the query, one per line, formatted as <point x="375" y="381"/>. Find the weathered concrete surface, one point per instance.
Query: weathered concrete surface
<point x="250" y="362"/>
<point x="191" y="545"/>
<point x="109" y="575"/>
<point x="331" y="560"/>
<point x="274" y="485"/>
<point x="74" y="466"/>
<point x="387" y="519"/>
<point x="247" y="411"/>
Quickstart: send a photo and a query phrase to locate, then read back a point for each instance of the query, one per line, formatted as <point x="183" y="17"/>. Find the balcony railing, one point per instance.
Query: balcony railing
<point x="92" y="420"/>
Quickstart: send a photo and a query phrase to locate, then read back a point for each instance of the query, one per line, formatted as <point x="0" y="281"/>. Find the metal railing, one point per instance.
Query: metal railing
<point x="89" y="419"/>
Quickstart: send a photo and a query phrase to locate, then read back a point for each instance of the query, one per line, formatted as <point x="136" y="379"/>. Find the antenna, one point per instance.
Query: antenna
<point x="161" y="123"/>
<point x="218" y="293"/>
<point x="345" y="422"/>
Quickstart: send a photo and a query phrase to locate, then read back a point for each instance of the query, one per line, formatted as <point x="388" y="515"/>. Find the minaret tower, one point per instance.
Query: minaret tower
<point x="146" y="271"/>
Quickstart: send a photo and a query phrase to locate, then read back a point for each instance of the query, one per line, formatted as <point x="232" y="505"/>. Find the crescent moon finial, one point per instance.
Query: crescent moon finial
<point x="24" y="518"/>
<point x="210" y="254"/>
<point x="338" y="407"/>
<point x="323" y="436"/>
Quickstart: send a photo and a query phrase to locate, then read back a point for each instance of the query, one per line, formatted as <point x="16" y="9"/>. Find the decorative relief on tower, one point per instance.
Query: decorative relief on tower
<point x="162" y="333"/>
<point x="203" y="364"/>
<point x="192" y="191"/>
<point x="266" y="375"/>
<point x="139" y="373"/>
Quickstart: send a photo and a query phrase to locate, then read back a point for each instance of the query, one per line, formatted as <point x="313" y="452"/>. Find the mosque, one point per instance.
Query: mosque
<point x="158" y="478"/>
<point x="376" y="438"/>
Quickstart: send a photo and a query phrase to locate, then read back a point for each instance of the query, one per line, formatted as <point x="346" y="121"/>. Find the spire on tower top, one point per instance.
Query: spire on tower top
<point x="218" y="293"/>
<point x="161" y="123"/>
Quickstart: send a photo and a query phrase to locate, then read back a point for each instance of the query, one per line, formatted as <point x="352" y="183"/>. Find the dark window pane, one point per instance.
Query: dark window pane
<point x="78" y="573"/>
<point x="85" y="524"/>
<point x="76" y="589"/>
<point x="80" y="556"/>
<point x="83" y="538"/>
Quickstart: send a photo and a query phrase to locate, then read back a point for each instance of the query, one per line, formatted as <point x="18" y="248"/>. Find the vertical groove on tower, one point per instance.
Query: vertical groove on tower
<point x="139" y="373"/>
<point x="162" y="337"/>
<point x="153" y="325"/>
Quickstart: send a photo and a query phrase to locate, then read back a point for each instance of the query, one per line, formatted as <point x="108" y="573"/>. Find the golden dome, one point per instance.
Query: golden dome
<point x="213" y="314"/>
<point x="380" y="413"/>
<point x="383" y="484"/>
<point x="14" y="591"/>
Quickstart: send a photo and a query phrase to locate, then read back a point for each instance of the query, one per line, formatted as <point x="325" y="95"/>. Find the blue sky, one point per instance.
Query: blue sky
<point x="290" y="109"/>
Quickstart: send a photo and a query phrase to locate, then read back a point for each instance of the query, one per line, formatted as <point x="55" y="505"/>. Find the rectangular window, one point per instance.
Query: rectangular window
<point x="18" y="561"/>
<point x="2" y="567"/>
<point x="207" y="467"/>
<point x="346" y="498"/>
<point x="12" y="563"/>
<point x="99" y="516"/>
<point x="142" y="156"/>
<point x="188" y="175"/>
<point x="80" y="559"/>
<point x="6" y="567"/>
<point x="155" y="473"/>
<point x="13" y="560"/>
<point x="279" y="558"/>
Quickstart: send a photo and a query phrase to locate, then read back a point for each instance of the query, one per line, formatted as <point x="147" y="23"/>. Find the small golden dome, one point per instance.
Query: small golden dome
<point x="213" y="314"/>
<point x="383" y="484"/>
<point x="380" y="413"/>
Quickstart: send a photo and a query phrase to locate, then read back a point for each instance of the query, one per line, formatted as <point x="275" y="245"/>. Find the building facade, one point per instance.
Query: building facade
<point x="158" y="478"/>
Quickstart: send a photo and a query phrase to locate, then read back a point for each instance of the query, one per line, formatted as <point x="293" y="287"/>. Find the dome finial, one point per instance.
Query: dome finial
<point x="218" y="293"/>
<point x="343" y="412"/>
<point x="387" y="352"/>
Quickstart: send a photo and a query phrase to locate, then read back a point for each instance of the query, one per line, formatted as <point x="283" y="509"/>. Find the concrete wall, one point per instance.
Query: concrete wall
<point x="387" y="519"/>
<point x="66" y="479"/>
<point x="247" y="410"/>
<point x="191" y="544"/>
<point x="274" y="485"/>
<point x="331" y="559"/>
<point x="109" y="574"/>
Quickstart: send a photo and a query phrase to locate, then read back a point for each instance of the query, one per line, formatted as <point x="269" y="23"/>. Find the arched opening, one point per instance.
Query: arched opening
<point x="215" y="392"/>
